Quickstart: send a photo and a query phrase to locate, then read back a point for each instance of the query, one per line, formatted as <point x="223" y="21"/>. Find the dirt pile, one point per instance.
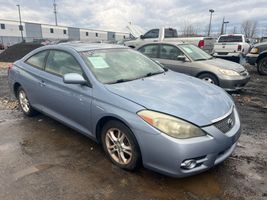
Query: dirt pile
<point x="17" y="51"/>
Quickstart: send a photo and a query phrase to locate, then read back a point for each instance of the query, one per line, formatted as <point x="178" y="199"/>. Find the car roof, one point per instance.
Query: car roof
<point x="86" y="46"/>
<point x="165" y="42"/>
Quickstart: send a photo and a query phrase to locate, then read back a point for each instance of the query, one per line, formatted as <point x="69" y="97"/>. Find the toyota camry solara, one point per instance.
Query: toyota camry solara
<point x="141" y="114"/>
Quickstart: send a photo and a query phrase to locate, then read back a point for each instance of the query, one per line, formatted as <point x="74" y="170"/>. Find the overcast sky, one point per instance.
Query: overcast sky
<point x="115" y="14"/>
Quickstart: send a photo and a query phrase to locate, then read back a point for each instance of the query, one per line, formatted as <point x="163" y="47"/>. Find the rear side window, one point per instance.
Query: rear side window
<point x="37" y="60"/>
<point x="230" y="38"/>
<point x="170" y="52"/>
<point x="150" y="50"/>
<point x="61" y="63"/>
<point x="154" y="33"/>
<point x="170" y="33"/>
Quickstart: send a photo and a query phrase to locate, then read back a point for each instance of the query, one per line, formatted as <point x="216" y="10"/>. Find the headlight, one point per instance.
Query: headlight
<point x="229" y="72"/>
<point x="254" y="50"/>
<point x="171" y="126"/>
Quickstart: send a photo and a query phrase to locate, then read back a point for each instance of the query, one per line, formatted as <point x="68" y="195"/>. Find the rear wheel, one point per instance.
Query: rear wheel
<point x="209" y="78"/>
<point x="262" y="66"/>
<point x="24" y="103"/>
<point x="120" y="145"/>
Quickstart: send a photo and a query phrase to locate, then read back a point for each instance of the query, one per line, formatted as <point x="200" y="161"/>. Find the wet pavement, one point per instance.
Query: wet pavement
<point x="43" y="159"/>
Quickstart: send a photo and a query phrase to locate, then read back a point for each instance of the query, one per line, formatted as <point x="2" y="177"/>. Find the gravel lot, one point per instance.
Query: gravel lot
<point x="42" y="159"/>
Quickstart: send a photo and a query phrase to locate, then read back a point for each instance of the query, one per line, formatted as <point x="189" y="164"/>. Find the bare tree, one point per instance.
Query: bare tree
<point x="189" y="29"/>
<point x="249" y="28"/>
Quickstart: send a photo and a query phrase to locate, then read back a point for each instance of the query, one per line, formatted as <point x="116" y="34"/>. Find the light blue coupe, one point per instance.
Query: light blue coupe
<point x="141" y="113"/>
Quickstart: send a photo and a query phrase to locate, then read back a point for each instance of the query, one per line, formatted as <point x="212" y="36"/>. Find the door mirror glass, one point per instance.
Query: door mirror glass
<point x="74" y="78"/>
<point x="181" y="58"/>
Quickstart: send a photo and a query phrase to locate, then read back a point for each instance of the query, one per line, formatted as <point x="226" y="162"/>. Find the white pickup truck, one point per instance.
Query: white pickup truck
<point x="233" y="46"/>
<point x="170" y="35"/>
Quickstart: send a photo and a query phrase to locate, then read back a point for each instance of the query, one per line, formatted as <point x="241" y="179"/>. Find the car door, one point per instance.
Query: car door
<point x="31" y="75"/>
<point x="169" y="57"/>
<point x="69" y="103"/>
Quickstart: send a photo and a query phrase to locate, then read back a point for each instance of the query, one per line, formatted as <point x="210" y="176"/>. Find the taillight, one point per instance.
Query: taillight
<point x="9" y="67"/>
<point x="201" y="44"/>
<point x="239" y="47"/>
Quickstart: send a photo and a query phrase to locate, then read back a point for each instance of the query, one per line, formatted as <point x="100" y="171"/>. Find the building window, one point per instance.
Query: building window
<point x="3" y="26"/>
<point x="64" y="32"/>
<point x="113" y="36"/>
<point x="124" y="37"/>
<point x="96" y="34"/>
<point x="51" y="30"/>
<point x="86" y="33"/>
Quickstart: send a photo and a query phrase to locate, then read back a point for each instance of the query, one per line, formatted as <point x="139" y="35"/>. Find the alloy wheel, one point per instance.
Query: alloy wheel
<point x="118" y="146"/>
<point x="24" y="102"/>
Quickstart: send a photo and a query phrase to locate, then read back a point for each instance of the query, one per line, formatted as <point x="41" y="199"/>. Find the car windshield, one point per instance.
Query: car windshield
<point x="119" y="65"/>
<point x="194" y="52"/>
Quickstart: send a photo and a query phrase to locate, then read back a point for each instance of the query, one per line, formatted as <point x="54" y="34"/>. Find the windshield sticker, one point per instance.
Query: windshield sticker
<point x="98" y="62"/>
<point x="188" y="50"/>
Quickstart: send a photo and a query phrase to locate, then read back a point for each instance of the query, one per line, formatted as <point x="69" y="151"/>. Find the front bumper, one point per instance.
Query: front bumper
<point x="251" y="58"/>
<point x="165" y="154"/>
<point x="234" y="83"/>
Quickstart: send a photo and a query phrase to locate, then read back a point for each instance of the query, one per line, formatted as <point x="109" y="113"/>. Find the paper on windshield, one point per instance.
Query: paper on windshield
<point x="188" y="50"/>
<point x="98" y="62"/>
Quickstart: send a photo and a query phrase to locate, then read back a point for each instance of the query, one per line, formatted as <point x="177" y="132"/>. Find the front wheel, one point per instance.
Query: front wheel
<point x="120" y="145"/>
<point x="209" y="78"/>
<point x="24" y="103"/>
<point x="262" y="66"/>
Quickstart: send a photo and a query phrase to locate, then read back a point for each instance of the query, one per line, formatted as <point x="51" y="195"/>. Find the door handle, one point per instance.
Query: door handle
<point x="42" y="83"/>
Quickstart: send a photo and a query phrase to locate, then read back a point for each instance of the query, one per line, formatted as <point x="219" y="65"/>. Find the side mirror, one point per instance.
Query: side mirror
<point x="181" y="58"/>
<point x="142" y="37"/>
<point x="74" y="78"/>
<point x="247" y="41"/>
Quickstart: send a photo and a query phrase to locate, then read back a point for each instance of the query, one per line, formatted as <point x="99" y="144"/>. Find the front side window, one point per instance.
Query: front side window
<point x="152" y="34"/>
<point x="37" y="60"/>
<point x="119" y="65"/>
<point x="61" y="63"/>
<point x="150" y="50"/>
<point x="170" y="52"/>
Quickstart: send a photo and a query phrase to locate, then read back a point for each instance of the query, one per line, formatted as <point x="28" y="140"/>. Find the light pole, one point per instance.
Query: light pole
<point x="55" y="11"/>
<point x="20" y="24"/>
<point x="211" y="11"/>
<point x="226" y="25"/>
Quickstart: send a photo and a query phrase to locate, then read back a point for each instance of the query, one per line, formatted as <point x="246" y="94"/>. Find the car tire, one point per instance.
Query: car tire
<point x="262" y="66"/>
<point x="120" y="145"/>
<point x="209" y="78"/>
<point x="24" y="103"/>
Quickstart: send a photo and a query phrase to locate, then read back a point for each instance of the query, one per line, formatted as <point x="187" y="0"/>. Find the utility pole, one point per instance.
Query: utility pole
<point x="55" y="11"/>
<point x="226" y="26"/>
<point x="211" y="11"/>
<point x="222" y="26"/>
<point x="20" y="24"/>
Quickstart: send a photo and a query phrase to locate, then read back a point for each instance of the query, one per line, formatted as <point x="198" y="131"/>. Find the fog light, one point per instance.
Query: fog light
<point x="189" y="164"/>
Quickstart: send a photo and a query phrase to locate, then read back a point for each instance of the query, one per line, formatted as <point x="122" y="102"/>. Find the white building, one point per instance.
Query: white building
<point x="11" y="34"/>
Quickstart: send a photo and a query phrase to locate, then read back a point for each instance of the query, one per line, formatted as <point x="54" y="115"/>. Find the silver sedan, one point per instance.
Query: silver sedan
<point x="191" y="60"/>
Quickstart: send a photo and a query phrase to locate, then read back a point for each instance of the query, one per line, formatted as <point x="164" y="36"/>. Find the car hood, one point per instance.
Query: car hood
<point x="176" y="94"/>
<point x="223" y="64"/>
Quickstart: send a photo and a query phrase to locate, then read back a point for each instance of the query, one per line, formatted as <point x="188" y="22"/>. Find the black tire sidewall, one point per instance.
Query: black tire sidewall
<point x="260" y="71"/>
<point x="136" y="155"/>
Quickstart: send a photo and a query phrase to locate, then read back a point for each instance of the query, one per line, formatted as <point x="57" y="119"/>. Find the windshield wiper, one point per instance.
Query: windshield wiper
<point x="152" y="74"/>
<point x="119" y="81"/>
<point x="200" y="59"/>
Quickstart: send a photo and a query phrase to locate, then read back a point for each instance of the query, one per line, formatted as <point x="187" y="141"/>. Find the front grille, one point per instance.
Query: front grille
<point x="226" y="124"/>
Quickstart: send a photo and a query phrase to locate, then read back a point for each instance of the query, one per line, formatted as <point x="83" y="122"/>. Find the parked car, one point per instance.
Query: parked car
<point x="170" y="35"/>
<point x="174" y="124"/>
<point x="2" y="47"/>
<point x="191" y="60"/>
<point x="263" y="39"/>
<point x="234" y="47"/>
<point x="258" y="56"/>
